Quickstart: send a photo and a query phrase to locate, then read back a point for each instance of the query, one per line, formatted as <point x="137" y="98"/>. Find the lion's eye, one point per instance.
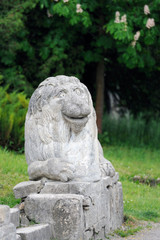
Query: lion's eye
<point x="62" y="94"/>
<point x="78" y="91"/>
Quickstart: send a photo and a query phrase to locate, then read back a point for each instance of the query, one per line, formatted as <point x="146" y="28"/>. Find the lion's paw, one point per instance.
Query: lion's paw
<point x="107" y="169"/>
<point x="60" y="170"/>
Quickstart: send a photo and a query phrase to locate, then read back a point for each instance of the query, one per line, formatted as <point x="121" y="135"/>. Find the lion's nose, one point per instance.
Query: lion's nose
<point x="76" y="110"/>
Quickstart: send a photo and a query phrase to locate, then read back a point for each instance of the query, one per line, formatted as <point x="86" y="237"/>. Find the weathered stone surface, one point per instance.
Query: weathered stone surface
<point x="24" y="220"/>
<point x="23" y="189"/>
<point x="115" y="178"/>
<point x="61" y="134"/>
<point x="4" y="215"/>
<point x="18" y="237"/>
<point x="81" y="188"/>
<point x="14" y="216"/>
<point x="55" y="188"/>
<point x="35" y="232"/>
<point x="8" y="232"/>
<point x="97" y="206"/>
<point x="63" y="211"/>
<point x="85" y="201"/>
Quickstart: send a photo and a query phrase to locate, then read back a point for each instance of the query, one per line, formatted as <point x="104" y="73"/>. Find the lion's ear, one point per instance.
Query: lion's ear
<point x="44" y="134"/>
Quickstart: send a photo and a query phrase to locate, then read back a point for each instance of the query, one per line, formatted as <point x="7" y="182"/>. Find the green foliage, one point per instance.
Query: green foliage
<point x="13" y="108"/>
<point x="103" y="138"/>
<point x="143" y="54"/>
<point x="41" y="38"/>
<point x="36" y="45"/>
<point x="14" y="40"/>
<point x="132" y="131"/>
<point x="67" y="10"/>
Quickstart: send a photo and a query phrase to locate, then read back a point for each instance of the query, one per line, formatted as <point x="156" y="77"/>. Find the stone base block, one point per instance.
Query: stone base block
<point x="4" y="215"/>
<point x="36" y="232"/>
<point x="8" y="232"/>
<point x="78" y="210"/>
<point x="62" y="211"/>
<point x="15" y="214"/>
<point x="23" y="189"/>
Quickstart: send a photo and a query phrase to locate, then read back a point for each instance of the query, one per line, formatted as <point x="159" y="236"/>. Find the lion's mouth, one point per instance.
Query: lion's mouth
<point x="76" y="120"/>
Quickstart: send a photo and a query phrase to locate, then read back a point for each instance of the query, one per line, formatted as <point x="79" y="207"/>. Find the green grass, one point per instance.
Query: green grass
<point x="140" y="200"/>
<point x="13" y="169"/>
<point x="126" y="233"/>
<point x="140" y="131"/>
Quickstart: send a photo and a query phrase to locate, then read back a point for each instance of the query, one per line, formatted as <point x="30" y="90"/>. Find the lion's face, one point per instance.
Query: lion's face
<point x="73" y="104"/>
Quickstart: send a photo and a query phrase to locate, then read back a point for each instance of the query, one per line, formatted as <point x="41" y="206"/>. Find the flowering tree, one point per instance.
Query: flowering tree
<point x="90" y="17"/>
<point x="136" y="31"/>
<point x="128" y="26"/>
<point x="65" y="35"/>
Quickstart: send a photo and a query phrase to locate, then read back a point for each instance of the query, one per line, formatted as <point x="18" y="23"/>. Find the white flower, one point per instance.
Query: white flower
<point x="65" y="1"/>
<point x="124" y="18"/>
<point x="79" y="9"/>
<point x="150" y="23"/>
<point x="133" y="44"/>
<point x="137" y="35"/>
<point x="117" y="14"/>
<point x="56" y="0"/>
<point x="146" y="10"/>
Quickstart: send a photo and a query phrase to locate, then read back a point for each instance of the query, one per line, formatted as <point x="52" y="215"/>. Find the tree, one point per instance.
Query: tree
<point x="90" y="17"/>
<point x="35" y="45"/>
<point x="135" y="29"/>
<point x="65" y="36"/>
<point x="133" y="35"/>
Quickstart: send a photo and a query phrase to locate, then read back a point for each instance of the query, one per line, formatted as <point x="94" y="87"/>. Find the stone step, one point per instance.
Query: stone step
<point x="8" y="232"/>
<point x="35" y="232"/>
<point x="14" y="216"/>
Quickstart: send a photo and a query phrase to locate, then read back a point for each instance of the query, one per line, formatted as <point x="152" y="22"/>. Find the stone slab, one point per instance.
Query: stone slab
<point x="23" y="189"/>
<point x="8" y="232"/>
<point x="15" y="215"/>
<point x="63" y="211"/>
<point x="4" y="214"/>
<point x="35" y="232"/>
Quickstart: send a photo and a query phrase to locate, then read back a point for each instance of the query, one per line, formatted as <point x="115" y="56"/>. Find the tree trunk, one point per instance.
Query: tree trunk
<point x="100" y="94"/>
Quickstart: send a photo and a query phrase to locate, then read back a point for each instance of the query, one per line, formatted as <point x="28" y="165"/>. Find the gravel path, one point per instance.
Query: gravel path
<point x="145" y="234"/>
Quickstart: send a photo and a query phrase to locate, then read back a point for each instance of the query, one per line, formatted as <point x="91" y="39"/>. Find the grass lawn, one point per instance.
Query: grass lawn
<point x="140" y="200"/>
<point x="13" y="170"/>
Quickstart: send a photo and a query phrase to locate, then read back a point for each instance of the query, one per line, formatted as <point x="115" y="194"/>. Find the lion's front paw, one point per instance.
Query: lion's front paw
<point x="107" y="169"/>
<point x="58" y="169"/>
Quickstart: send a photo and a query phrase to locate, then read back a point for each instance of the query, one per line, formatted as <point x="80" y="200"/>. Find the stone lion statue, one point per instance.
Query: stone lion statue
<point x="61" y="134"/>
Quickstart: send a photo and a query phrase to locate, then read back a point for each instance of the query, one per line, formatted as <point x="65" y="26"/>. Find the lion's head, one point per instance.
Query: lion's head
<point x="62" y="97"/>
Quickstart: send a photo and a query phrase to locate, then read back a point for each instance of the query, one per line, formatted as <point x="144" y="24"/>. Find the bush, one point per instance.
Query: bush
<point x="132" y="131"/>
<point x="13" y="108"/>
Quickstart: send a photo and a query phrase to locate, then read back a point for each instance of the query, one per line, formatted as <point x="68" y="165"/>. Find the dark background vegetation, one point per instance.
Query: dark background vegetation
<point x="41" y="38"/>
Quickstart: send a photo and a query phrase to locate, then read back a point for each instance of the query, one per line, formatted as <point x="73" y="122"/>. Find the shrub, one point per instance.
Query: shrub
<point x="133" y="131"/>
<point x="13" y="108"/>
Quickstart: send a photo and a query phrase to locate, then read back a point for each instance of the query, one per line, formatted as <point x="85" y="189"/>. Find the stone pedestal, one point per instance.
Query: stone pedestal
<point x="7" y="229"/>
<point x="74" y="210"/>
